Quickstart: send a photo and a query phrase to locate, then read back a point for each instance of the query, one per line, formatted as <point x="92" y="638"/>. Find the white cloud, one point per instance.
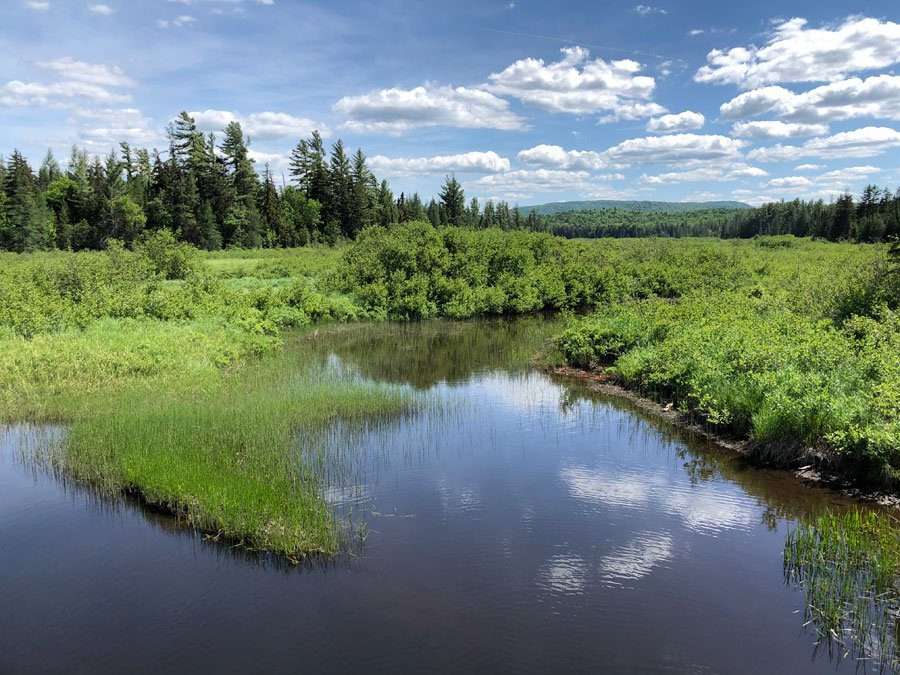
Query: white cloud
<point x="79" y="80"/>
<point x="526" y="182"/>
<point x="92" y="73"/>
<point x="877" y="96"/>
<point x="16" y="93"/>
<point x="265" y="125"/>
<point x="696" y="31"/>
<point x="850" y="174"/>
<point x="790" y="182"/>
<point x="776" y="129"/>
<point x="864" y="142"/>
<point x="37" y="5"/>
<point x="712" y="172"/>
<point x="277" y="162"/>
<point x="554" y="156"/>
<point x="103" y="10"/>
<point x="576" y="84"/>
<point x="795" y="53"/>
<point x="647" y="10"/>
<point x="807" y="167"/>
<point x="261" y="125"/>
<point x="104" y="128"/>
<point x="476" y="162"/>
<point x="675" y="122"/>
<point x="178" y="22"/>
<point x="627" y="112"/>
<point x="398" y="110"/>
<point x="674" y="148"/>
<point x="756" y="102"/>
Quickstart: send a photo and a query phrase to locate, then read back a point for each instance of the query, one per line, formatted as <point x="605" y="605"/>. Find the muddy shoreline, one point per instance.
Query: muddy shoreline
<point x="811" y="467"/>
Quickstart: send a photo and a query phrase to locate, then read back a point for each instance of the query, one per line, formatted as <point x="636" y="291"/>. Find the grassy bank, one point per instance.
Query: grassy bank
<point x="801" y="355"/>
<point x="177" y="390"/>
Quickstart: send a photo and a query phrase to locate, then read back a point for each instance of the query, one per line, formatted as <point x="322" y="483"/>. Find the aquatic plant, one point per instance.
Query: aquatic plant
<point x="848" y="566"/>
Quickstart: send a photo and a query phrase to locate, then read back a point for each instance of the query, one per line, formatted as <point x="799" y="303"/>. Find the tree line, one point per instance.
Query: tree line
<point x="873" y="216"/>
<point x="211" y="195"/>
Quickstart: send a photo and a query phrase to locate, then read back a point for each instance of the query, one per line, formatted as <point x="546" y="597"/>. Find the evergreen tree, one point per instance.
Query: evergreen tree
<point x="360" y="212"/>
<point x="338" y="206"/>
<point x="453" y="201"/>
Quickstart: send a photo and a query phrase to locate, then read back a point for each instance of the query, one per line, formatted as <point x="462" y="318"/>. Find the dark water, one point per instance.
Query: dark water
<point x="517" y="524"/>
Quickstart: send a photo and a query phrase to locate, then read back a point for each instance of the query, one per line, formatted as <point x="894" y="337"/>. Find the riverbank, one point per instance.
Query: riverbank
<point x="810" y="466"/>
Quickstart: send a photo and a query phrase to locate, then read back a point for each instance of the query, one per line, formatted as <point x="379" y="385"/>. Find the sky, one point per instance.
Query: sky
<point x="521" y="100"/>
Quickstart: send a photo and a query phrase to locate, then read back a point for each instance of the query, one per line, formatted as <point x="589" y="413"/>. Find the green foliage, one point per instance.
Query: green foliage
<point x="756" y="367"/>
<point x="168" y="257"/>
<point x="417" y="271"/>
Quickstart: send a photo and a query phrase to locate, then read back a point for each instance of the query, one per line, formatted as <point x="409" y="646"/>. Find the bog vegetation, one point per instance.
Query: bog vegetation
<point x="796" y="347"/>
<point x="149" y="346"/>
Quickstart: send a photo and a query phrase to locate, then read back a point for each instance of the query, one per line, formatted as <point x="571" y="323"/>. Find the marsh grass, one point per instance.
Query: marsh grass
<point x="849" y="568"/>
<point x="231" y="454"/>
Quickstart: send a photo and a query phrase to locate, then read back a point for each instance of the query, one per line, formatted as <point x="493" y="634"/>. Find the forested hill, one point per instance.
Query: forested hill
<point x="873" y="216"/>
<point x="622" y="205"/>
<point x="618" y="222"/>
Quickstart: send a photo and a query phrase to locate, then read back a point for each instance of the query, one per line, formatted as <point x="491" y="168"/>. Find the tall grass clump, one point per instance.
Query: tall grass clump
<point x="849" y="568"/>
<point x="228" y="460"/>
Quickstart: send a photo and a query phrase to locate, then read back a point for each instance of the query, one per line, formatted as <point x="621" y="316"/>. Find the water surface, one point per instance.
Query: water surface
<point x="516" y="523"/>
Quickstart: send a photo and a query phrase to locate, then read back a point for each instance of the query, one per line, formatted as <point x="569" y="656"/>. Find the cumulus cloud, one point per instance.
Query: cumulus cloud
<point x="676" y="122"/>
<point x="864" y="142"/>
<point x="790" y="182"/>
<point x="476" y="162"/>
<point x="526" y="182"/>
<point x="674" y="148"/>
<point x="261" y="125"/>
<point x="554" y="156"/>
<point x="108" y="126"/>
<point x="776" y="129"/>
<point x="578" y="84"/>
<point x="92" y="73"/>
<point x="796" y="53"/>
<point x="850" y="174"/>
<point x="103" y="10"/>
<point x="628" y="112"/>
<point x="398" y="110"/>
<point x="876" y="96"/>
<point x="711" y="172"/>
<point x="274" y="160"/>
<point x="807" y="167"/>
<point x="81" y="84"/>
<point x="37" y="5"/>
<point x="16" y="93"/>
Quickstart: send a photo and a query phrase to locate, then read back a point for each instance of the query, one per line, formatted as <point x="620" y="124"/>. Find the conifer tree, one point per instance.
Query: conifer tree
<point x="453" y="201"/>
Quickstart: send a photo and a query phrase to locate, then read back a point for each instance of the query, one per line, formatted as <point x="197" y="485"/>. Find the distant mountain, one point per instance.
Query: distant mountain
<point x="647" y="207"/>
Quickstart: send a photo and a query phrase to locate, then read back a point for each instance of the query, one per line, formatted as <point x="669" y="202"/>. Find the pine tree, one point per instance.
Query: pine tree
<point x="453" y="201"/>
<point x="27" y="222"/>
<point x="360" y="212"/>
<point x="385" y="213"/>
<point x="337" y="208"/>
<point x="270" y="208"/>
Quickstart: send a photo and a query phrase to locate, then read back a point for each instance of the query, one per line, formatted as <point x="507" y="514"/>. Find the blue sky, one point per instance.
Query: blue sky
<point x="524" y="101"/>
